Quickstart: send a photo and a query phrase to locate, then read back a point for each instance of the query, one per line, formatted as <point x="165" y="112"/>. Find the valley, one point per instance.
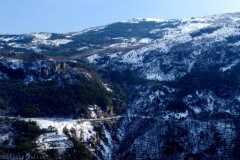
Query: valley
<point x="139" y="89"/>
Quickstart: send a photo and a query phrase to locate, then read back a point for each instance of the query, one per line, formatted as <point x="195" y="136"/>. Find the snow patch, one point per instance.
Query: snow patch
<point x="229" y="67"/>
<point x="9" y="39"/>
<point x="82" y="48"/>
<point x="92" y="110"/>
<point x="138" y="20"/>
<point x="238" y="98"/>
<point x="41" y="36"/>
<point x="134" y="56"/>
<point x="107" y="87"/>
<point x="152" y="76"/>
<point x="87" y="30"/>
<point x="44" y="38"/>
<point x="219" y="35"/>
<point x="108" y="147"/>
<point x="58" y="42"/>
<point x="120" y="45"/>
<point x="92" y="58"/>
<point x="15" y="63"/>
<point x="4" y="137"/>
<point x="145" y="40"/>
<point x="237" y="44"/>
<point x="193" y="27"/>
<point x="83" y="130"/>
<point x="196" y="110"/>
<point x="155" y="31"/>
<point x="176" y="115"/>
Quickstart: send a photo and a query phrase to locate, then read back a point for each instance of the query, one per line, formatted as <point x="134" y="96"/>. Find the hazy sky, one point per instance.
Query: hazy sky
<point x="61" y="16"/>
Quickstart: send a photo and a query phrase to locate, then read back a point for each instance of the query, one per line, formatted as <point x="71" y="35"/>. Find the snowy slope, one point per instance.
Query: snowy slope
<point x="181" y="78"/>
<point x="183" y="89"/>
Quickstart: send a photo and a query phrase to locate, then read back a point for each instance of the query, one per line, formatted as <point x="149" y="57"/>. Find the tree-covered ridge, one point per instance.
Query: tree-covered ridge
<point x="51" y="99"/>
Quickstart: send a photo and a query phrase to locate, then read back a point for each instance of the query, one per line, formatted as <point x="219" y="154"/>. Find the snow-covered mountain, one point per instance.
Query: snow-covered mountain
<point x="181" y="78"/>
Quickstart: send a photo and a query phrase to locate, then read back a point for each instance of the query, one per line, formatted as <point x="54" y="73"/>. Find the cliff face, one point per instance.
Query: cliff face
<point x="20" y="69"/>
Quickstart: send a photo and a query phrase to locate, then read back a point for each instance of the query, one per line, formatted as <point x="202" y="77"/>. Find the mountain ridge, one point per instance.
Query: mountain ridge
<point x="153" y="19"/>
<point x="181" y="79"/>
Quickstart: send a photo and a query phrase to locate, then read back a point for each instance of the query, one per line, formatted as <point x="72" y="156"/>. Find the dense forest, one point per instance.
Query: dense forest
<point x="51" y="99"/>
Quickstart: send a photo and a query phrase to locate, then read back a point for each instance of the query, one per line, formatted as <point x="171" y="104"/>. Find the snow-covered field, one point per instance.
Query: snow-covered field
<point x="57" y="139"/>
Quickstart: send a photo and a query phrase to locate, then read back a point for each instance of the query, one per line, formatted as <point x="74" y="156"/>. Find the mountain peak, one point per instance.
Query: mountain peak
<point x="137" y="20"/>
